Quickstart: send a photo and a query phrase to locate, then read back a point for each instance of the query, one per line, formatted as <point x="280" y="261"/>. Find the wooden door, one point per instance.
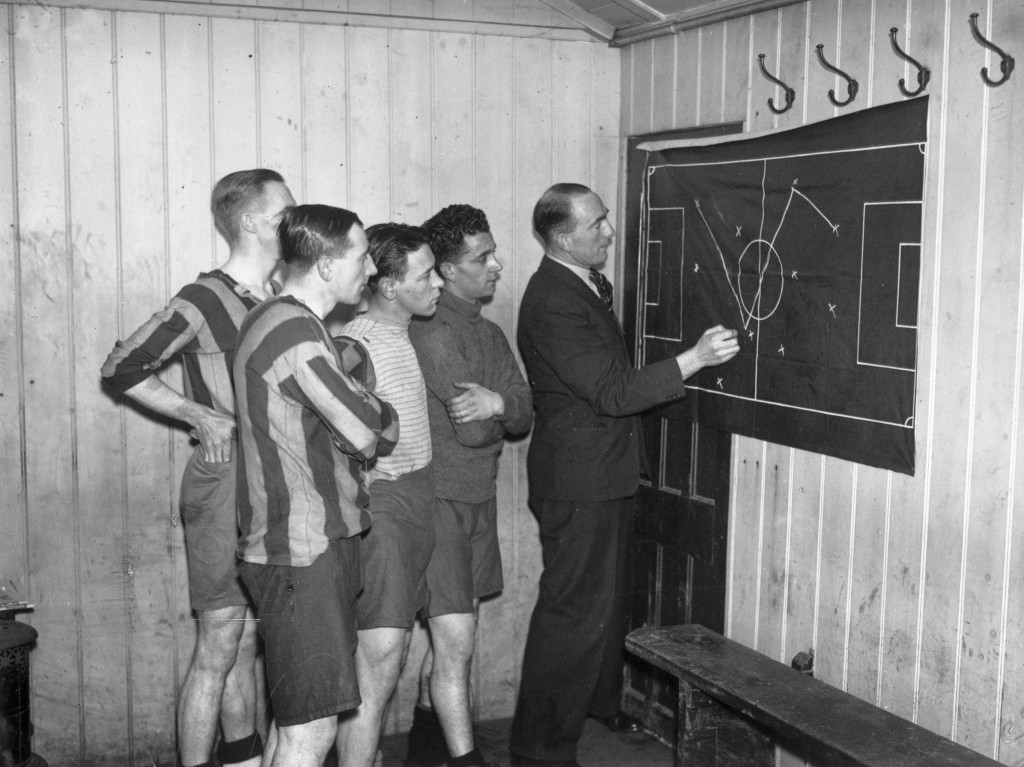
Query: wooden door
<point x="682" y="517"/>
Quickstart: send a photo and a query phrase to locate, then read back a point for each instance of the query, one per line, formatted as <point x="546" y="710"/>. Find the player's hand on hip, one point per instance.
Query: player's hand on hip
<point x="216" y="434"/>
<point x="717" y="345"/>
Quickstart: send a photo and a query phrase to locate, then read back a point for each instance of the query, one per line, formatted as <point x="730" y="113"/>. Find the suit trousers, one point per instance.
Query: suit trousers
<point x="572" y="666"/>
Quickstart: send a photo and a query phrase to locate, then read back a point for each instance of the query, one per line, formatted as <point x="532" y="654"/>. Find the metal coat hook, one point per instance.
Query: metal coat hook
<point x="851" y="84"/>
<point x="923" y="73"/>
<point x="1005" y="63"/>
<point x="790" y="93"/>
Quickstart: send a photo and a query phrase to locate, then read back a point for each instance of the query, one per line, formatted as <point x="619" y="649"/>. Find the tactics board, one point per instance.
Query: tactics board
<point x="807" y="242"/>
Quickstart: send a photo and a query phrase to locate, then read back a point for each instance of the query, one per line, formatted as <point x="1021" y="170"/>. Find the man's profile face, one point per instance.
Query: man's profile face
<point x="587" y="245"/>
<point x="352" y="267"/>
<point x="420" y="287"/>
<point x="266" y="215"/>
<point x="473" y="275"/>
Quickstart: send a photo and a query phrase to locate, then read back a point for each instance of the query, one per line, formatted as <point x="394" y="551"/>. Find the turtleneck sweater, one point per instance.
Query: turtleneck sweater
<point x="458" y="344"/>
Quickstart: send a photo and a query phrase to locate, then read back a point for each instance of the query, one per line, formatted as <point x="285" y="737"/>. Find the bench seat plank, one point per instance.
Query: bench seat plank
<point x="840" y="727"/>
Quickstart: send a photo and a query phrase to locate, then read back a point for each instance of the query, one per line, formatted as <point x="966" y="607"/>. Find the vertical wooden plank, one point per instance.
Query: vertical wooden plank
<point x="453" y="134"/>
<point x="411" y="130"/>
<point x="689" y="78"/>
<point x="236" y="117"/>
<point x="641" y="110"/>
<point x="886" y="67"/>
<point x="572" y="134"/>
<point x="54" y="585"/>
<point x="744" y="540"/>
<point x="823" y="30"/>
<point x="14" y="554"/>
<point x="712" y="45"/>
<point x="369" y="124"/>
<point x="189" y="236"/>
<point x="280" y="103"/>
<point x="903" y="620"/>
<point x="325" y="132"/>
<point x="663" y="81"/>
<point x="949" y="460"/>
<point x="792" y="53"/>
<point x="144" y="285"/>
<point x="532" y="141"/>
<point x="1009" y="745"/>
<point x="833" y="588"/>
<point x="775" y="503"/>
<point x="996" y="301"/>
<point x="736" y="83"/>
<point x="493" y="190"/>
<point x="765" y="32"/>
<point x="93" y="253"/>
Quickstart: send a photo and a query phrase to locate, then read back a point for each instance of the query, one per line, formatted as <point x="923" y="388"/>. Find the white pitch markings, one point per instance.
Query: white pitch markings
<point x="832" y="308"/>
<point x="793" y="190"/>
<point x="747" y="315"/>
<point x="725" y="266"/>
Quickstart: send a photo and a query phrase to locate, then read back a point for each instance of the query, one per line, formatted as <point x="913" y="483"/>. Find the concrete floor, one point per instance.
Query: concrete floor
<point x="598" y="748"/>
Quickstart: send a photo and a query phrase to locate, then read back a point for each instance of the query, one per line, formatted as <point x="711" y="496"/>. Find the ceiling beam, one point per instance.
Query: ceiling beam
<point x="247" y="9"/>
<point x="597" y="27"/>
<point x="711" y="12"/>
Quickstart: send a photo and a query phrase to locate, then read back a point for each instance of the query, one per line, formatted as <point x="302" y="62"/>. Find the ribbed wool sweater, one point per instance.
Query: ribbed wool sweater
<point x="458" y="344"/>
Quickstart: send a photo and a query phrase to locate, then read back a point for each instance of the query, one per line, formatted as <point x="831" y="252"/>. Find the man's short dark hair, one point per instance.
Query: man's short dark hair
<point x="390" y="246"/>
<point x="448" y="228"/>
<point x="555" y="212"/>
<point x="236" y="194"/>
<point x="307" y="232"/>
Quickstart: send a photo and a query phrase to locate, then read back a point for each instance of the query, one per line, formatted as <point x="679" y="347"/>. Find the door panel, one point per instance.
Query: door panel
<point x="679" y="553"/>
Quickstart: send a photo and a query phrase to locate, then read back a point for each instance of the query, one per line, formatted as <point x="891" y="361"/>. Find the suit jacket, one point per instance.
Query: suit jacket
<point x="586" y="438"/>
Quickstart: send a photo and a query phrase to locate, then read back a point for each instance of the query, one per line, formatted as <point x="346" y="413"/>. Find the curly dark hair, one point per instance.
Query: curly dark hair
<point x="448" y="229"/>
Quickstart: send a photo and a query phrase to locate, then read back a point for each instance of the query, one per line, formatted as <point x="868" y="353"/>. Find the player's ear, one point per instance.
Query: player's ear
<point x="446" y="269"/>
<point x="325" y="267"/>
<point x="247" y="222"/>
<point x="387" y="288"/>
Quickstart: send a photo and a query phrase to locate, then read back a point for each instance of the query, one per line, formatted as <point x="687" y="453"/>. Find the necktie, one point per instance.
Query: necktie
<point x="603" y="287"/>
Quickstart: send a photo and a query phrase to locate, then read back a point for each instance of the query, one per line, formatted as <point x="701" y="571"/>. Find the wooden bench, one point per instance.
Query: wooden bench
<point x="735" y="704"/>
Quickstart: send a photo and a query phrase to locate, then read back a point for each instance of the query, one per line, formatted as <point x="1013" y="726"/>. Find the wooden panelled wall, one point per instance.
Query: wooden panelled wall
<point x="113" y="127"/>
<point x="909" y="589"/>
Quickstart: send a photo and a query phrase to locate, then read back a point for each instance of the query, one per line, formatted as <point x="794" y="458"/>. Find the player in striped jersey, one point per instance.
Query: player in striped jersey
<point x="397" y="548"/>
<point x="307" y="431"/>
<point x="200" y="325"/>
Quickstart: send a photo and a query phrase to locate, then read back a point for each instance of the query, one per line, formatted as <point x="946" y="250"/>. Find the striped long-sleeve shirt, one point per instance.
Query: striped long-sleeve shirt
<point x="395" y="371"/>
<point x="306" y="430"/>
<point x="201" y="324"/>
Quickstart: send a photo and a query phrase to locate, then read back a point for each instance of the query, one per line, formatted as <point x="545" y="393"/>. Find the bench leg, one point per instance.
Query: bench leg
<point x="714" y="735"/>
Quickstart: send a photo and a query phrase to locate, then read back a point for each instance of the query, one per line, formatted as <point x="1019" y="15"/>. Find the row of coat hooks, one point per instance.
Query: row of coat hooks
<point x="923" y="73"/>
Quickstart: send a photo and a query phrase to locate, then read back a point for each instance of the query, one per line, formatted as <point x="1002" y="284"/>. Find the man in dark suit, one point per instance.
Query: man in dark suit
<point x="584" y="466"/>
